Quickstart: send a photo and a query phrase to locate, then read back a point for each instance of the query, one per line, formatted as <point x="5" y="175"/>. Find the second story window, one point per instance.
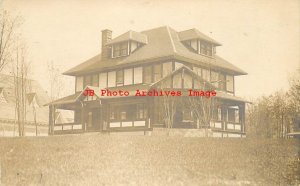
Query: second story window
<point x="120" y="78"/>
<point x="87" y="81"/>
<point x="120" y="49"/>
<point x="95" y="80"/>
<point x="157" y="72"/>
<point x="222" y="82"/>
<point x="206" y="74"/>
<point x="90" y="80"/>
<point x="148" y="74"/>
<point x="229" y="83"/>
<point x="214" y="78"/>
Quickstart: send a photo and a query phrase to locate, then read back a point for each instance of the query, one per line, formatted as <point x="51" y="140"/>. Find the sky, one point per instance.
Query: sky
<point x="262" y="37"/>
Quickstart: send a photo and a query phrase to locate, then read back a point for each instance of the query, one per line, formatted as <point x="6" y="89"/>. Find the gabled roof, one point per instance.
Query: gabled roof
<point x="76" y="97"/>
<point x="164" y="43"/>
<point x="196" y="34"/>
<point x="188" y="70"/>
<point x="7" y="110"/>
<point x="30" y="97"/>
<point x="130" y="35"/>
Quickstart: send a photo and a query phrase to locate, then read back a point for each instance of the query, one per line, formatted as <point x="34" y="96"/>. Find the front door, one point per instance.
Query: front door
<point x="93" y="119"/>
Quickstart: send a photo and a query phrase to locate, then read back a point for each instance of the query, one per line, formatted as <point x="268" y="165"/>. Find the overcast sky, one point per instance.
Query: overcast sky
<point x="262" y="37"/>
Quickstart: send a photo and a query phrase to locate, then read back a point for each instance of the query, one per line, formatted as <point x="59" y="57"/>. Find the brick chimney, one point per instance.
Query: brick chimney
<point x="106" y="50"/>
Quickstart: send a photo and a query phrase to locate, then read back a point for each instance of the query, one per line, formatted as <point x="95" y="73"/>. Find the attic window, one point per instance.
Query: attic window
<point x="201" y="47"/>
<point x="120" y="49"/>
<point x="193" y="44"/>
<point x="206" y="48"/>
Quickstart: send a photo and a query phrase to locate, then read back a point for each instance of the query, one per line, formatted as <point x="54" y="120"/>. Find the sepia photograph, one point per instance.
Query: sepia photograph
<point x="148" y="92"/>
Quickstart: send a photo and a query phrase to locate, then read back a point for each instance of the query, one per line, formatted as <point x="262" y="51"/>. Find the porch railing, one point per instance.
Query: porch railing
<point x="67" y="127"/>
<point x="225" y="125"/>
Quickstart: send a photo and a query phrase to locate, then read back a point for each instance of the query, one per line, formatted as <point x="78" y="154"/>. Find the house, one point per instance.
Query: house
<point x="36" y="122"/>
<point x="156" y="60"/>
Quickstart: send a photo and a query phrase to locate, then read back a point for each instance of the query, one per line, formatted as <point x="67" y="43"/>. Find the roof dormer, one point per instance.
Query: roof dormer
<point x="198" y="42"/>
<point x="127" y="43"/>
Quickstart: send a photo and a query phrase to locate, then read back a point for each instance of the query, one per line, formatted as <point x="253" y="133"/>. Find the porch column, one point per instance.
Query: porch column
<point x="224" y="116"/>
<point x="82" y="117"/>
<point x="242" y="116"/>
<point x="51" y="119"/>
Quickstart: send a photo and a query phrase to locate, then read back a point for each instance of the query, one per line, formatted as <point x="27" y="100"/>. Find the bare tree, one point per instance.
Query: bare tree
<point x="20" y="70"/>
<point x="8" y="28"/>
<point x="56" y="86"/>
<point x="56" y="81"/>
<point x="203" y="109"/>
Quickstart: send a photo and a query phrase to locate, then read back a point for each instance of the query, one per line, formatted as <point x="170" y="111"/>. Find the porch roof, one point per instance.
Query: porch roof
<point x="65" y="100"/>
<point x="223" y="95"/>
<point x="75" y="97"/>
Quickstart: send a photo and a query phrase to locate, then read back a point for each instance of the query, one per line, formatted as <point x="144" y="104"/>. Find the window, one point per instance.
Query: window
<point x="197" y="84"/>
<point x="95" y="80"/>
<point x="187" y="115"/>
<point x="87" y="81"/>
<point x="113" y="113"/>
<point x="229" y="83"/>
<point x="79" y="83"/>
<point x="194" y="44"/>
<point x="148" y="74"/>
<point x="134" y="46"/>
<point x="214" y="78"/>
<point x="128" y="76"/>
<point x="233" y="115"/>
<point x="91" y="80"/>
<point x="167" y="68"/>
<point x="111" y="79"/>
<point x="157" y="72"/>
<point x="177" y="81"/>
<point x="120" y="78"/>
<point x="217" y="114"/>
<point x="103" y="80"/>
<point x="197" y="71"/>
<point x="129" y="112"/>
<point x="138" y="75"/>
<point x="120" y="49"/>
<point x="206" y="48"/>
<point x="187" y="81"/>
<point x="222" y="82"/>
<point x="141" y="111"/>
<point x="206" y="74"/>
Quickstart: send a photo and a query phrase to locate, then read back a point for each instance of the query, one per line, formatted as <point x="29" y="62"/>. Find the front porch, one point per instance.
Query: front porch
<point x="92" y="114"/>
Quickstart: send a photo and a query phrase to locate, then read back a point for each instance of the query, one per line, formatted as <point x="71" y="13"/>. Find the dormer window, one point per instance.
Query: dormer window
<point x="193" y="44"/>
<point x="120" y="49"/>
<point x="206" y="48"/>
<point x="201" y="47"/>
<point x="198" y="42"/>
<point x="126" y="43"/>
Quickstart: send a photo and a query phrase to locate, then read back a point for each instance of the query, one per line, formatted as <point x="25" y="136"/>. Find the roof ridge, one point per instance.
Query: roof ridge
<point x="171" y="39"/>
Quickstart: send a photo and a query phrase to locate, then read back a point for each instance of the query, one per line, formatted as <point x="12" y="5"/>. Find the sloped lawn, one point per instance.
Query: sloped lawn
<point x="144" y="160"/>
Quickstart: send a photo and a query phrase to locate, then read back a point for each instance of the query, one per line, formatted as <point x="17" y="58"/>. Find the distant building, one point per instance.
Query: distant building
<point x="35" y="99"/>
<point x="144" y="61"/>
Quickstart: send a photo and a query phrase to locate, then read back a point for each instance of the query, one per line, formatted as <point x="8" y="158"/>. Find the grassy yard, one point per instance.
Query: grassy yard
<point x="145" y="160"/>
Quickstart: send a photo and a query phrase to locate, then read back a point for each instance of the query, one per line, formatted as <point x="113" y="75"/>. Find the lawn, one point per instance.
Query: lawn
<point x="144" y="160"/>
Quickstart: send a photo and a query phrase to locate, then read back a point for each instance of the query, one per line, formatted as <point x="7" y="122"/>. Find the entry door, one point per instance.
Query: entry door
<point x="93" y="119"/>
